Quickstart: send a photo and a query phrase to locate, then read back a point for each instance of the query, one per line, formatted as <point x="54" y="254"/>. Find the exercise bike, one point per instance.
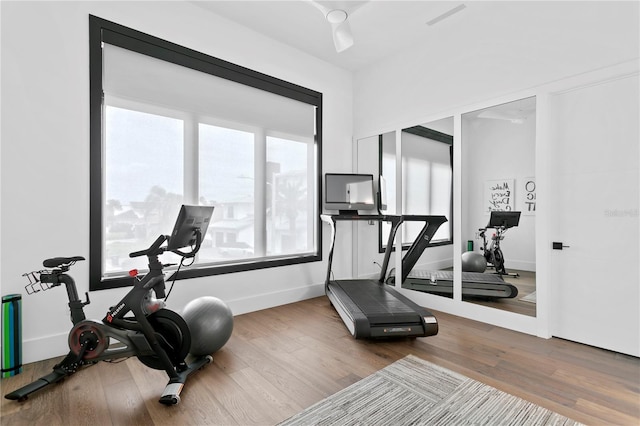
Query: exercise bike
<point x="500" y="221"/>
<point x="158" y="337"/>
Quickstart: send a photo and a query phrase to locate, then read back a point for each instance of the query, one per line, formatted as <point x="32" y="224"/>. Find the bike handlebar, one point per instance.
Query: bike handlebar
<point x="153" y="249"/>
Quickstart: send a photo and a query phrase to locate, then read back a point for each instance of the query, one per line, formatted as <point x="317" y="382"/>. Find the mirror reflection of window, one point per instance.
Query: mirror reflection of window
<point x="426" y="182"/>
<point x="426" y="189"/>
<point x="427" y="177"/>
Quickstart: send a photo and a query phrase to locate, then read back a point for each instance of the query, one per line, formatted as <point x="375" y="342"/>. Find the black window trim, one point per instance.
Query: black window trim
<point x="101" y="30"/>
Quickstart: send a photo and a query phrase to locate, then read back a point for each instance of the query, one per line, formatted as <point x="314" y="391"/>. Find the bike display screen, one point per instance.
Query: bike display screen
<point x="191" y="219"/>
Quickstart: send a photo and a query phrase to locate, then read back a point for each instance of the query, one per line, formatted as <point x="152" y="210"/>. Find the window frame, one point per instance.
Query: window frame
<point x="101" y="30"/>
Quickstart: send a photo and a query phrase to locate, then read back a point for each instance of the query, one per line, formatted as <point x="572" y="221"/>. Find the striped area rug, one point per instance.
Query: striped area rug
<point x="415" y="392"/>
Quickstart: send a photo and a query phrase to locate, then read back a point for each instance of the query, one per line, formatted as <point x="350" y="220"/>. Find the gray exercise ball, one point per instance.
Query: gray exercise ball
<point x="210" y="322"/>
<point x="473" y="262"/>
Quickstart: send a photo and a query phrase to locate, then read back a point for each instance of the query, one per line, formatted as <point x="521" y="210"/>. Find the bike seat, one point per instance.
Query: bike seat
<point x="57" y="262"/>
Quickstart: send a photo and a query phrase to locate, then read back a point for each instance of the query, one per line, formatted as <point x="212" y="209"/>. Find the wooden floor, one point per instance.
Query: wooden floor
<point x="284" y="359"/>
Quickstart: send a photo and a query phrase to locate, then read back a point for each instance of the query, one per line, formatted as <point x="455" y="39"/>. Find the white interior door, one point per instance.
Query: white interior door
<point x="595" y="160"/>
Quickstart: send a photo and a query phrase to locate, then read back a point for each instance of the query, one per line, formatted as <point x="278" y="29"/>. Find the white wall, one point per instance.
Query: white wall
<point x="408" y="88"/>
<point x="45" y="151"/>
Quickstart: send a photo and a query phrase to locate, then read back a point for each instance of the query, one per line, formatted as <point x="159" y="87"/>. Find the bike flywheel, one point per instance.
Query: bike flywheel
<point x="174" y="336"/>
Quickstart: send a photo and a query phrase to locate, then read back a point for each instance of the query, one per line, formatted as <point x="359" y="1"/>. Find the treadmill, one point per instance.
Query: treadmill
<point x="370" y="308"/>
<point x="474" y="284"/>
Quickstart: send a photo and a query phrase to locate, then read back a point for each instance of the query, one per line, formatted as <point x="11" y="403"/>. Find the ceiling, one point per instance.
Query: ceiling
<point x="382" y="28"/>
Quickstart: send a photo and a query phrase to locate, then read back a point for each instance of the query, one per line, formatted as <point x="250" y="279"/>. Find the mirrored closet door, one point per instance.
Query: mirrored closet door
<point x="499" y="207"/>
<point x="425" y="188"/>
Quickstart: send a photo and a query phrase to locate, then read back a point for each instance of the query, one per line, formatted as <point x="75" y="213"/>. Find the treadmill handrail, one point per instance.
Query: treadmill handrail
<point x="331" y="220"/>
<point x="432" y="223"/>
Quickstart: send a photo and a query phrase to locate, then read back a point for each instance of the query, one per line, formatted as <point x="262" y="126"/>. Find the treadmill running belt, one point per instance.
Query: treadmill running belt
<point x="380" y="305"/>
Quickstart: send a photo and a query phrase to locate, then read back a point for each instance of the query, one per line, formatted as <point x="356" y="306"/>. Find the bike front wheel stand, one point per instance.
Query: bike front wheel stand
<point x="171" y="394"/>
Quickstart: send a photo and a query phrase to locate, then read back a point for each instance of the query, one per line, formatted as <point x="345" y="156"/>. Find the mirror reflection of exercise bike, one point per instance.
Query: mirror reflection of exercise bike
<point x="138" y="325"/>
<point x="500" y="221"/>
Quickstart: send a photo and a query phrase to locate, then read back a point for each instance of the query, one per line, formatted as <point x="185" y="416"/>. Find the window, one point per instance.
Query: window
<point x="172" y="126"/>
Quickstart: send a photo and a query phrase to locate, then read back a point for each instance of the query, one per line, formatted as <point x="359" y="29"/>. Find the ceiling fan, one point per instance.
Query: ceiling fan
<point x="337" y="14"/>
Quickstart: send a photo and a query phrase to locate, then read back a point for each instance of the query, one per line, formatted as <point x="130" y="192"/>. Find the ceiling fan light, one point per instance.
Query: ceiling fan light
<point x="336" y="16"/>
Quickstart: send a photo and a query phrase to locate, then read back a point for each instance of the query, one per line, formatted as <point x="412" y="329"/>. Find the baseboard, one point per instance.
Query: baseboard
<point x="270" y="300"/>
<point x="520" y="265"/>
<point x="45" y="347"/>
<point x="56" y="345"/>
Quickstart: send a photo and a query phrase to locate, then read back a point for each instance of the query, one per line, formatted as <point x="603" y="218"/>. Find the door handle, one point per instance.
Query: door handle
<point x="558" y="245"/>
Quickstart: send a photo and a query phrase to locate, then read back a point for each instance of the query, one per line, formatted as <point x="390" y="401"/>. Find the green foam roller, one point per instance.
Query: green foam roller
<point x="11" y="335"/>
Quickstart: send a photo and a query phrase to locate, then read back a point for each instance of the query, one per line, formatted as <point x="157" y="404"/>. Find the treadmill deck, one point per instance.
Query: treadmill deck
<point x="388" y="313"/>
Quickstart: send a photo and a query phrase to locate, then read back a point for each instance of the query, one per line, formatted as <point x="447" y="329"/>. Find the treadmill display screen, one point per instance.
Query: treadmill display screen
<point x="349" y="192"/>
